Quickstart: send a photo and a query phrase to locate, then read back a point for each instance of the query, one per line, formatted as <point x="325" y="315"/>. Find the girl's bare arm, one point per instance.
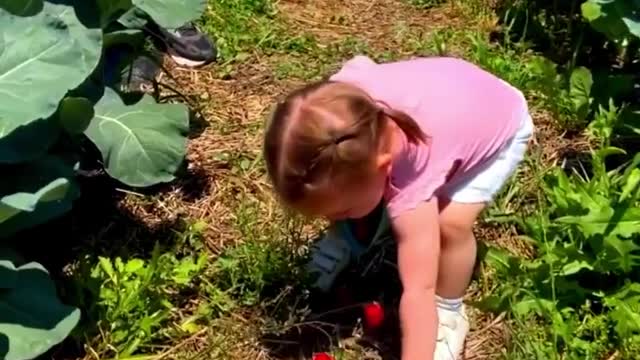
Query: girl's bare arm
<point x="418" y="236"/>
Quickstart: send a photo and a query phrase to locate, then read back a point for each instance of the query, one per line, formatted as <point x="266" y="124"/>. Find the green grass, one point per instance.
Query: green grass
<point x="242" y="28"/>
<point x="131" y="303"/>
<point x="319" y="61"/>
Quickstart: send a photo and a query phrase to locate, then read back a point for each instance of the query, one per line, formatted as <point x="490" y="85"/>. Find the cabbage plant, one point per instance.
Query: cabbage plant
<point x="53" y="101"/>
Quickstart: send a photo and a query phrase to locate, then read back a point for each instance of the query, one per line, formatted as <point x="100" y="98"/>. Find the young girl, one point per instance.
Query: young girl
<point x="433" y="140"/>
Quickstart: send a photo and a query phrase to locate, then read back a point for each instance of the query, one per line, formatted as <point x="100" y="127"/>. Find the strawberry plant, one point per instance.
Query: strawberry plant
<point x="584" y="278"/>
<point x="54" y="105"/>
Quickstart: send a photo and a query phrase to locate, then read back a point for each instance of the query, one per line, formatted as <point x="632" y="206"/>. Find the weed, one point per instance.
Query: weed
<point x="583" y="280"/>
<point x="240" y="163"/>
<point x="248" y="269"/>
<point x="436" y="43"/>
<point x="296" y="68"/>
<point x="132" y="301"/>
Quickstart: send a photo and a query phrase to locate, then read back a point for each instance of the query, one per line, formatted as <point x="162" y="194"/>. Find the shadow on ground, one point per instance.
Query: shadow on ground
<point x="102" y="225"/>
<point x="336" y="317"/>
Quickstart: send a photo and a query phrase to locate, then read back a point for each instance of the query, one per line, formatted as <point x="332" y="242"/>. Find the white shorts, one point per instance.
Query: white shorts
<point x="484" y="182"/>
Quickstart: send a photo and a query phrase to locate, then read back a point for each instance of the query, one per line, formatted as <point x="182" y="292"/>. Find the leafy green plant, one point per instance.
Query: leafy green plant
<point x="55" y="105"/>
<point x="131" y="300"/>
<point x="248" y="269"/>
<point x="572" y="104"/>
<point x="580" y="84"/>
<point x="584" y="279"/>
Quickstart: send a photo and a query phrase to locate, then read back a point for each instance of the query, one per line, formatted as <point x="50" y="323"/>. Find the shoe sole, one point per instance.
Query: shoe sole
<point x="184" y="61"/>
<point x="187" y="63"/>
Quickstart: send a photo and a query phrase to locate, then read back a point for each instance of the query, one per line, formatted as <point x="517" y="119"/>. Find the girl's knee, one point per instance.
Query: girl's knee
<point x="457" y="221"/>
<point x="455" y="233"/>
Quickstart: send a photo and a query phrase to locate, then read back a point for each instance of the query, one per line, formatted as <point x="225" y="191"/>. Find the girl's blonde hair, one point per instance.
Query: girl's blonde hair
<point x="327" y="134"/>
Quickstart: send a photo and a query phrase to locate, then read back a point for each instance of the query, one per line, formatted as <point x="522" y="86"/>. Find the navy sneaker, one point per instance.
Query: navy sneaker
<point x="188" y="46"/>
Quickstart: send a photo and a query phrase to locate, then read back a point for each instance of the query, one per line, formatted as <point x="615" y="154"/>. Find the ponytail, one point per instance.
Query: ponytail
<point x="409" y="126"/>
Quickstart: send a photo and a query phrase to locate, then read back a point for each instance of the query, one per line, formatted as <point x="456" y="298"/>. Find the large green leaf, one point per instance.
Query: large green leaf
<point x="32" y="318"/>
<point x="22" y="7"/>
<point x="27" y="141"/>
<point x="141" y="144"/>
<point x="629" y="13"/>
<point x="617" y="19"/>
<point x="625" y="309"/>
<point x="33" y="193"/>
<point x="41" y="58"/>
<point x="172" y="13"/>
<point x="126" y="36"/>
<point x="109" y="8"/>
<point x="134" y="18"/>
<point x="606" y="221"/>
<point x="581" y="82"/>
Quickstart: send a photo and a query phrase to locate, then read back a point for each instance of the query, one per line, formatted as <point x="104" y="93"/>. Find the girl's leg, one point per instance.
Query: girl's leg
<point x="458" y="251"/>
<point x="462" y="202"/>
<point x="458" y="248"/>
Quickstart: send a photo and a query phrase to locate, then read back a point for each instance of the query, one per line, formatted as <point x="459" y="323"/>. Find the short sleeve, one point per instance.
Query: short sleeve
<point x="352" y="69"/>
<point x="422" y="189"/>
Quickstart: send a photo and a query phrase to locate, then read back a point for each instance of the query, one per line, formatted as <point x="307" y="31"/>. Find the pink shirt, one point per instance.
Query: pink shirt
<point x="468" y="113"/>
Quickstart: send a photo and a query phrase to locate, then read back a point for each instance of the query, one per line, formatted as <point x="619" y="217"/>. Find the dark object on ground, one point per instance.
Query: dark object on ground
<point x="188" y="46"/>
<point x="141" y="73"/>
<point x="128" y="71"/>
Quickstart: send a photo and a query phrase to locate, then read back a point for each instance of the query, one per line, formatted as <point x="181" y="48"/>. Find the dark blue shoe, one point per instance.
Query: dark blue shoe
<point x="189" y="47"/>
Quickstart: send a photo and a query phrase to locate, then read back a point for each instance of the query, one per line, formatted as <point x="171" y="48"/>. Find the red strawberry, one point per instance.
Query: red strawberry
<point x="322" y="356"/>
<point x="373" y="315"/>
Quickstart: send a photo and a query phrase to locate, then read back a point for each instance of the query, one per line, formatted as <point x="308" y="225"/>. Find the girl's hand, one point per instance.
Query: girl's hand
<point x="418" y="236"/>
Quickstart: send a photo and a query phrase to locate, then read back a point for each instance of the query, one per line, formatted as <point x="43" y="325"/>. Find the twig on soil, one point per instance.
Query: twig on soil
<point x="495" y="321"/>
<point x="373" y="3"/>
<point x="614" y="355"/>
<point x="129" y="192"/>
<point x="179" y="345"/>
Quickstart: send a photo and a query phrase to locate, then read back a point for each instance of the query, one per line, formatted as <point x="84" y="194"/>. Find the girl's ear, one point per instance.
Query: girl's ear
<point x="384" y="158"/>
<point x="384" y="161"/>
